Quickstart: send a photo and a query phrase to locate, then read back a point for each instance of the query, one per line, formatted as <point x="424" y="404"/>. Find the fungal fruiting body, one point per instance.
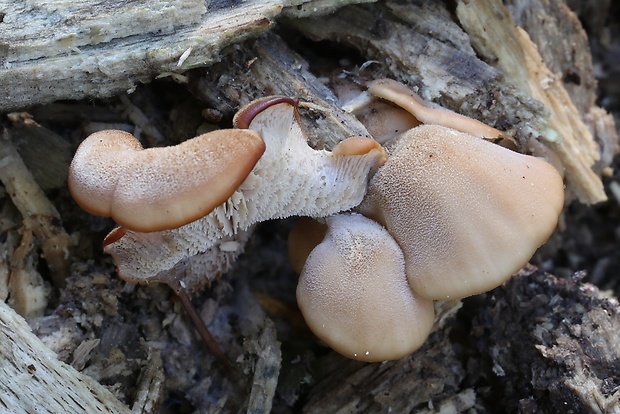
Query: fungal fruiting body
<point x="354" y="294"/>
<point x="154" y="189"/>
<point x="466" y="213"/>
<point x="289" y="179"/>
<point x="429" y="113"/>
<point x="449" y="215"/>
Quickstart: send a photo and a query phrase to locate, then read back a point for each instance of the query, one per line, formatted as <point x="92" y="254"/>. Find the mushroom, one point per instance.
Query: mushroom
<point x="289" y="179"/>
<point x="155" y="189"/>
<point x="429" y="113"/>
<point x="466" y="213"/>
<point x="382" y="119"/>
<point x="354" y="294"/>
<point x="304" y="236"/>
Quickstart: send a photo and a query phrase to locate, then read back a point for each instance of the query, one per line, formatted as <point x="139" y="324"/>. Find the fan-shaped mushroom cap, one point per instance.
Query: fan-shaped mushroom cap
<point x="383" y="120"/>
<point x="354" y="294"/>
<point x="466" y="213"/>
<point x="160" y="188"/>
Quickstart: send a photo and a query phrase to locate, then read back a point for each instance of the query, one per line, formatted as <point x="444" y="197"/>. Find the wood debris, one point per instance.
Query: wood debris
<point x="34" y="380"/>
<point x="68" y="50"/>
<point x="511" y="47"/>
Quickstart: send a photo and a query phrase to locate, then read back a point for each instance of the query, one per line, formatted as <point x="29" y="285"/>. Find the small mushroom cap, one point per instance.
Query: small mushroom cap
<point x="354" y="294"/>
<point x="160" y="188"/>
<point x="429" y="113"/>
<point x="305" y="235"/>
<point x="382" y="119"/>
<point x="359" y="146"/>
<point x="467" y="213"/>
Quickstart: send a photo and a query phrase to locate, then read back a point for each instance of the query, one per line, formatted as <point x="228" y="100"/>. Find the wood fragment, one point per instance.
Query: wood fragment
<point x="68" y="50"/>
<point x="37" y="211"/>
<point x="267" y="66"/>
<point x="562" y="43"/>
<point x="27" y="291"/>
<point x="151" y="385"/>
<point x="266" y="348"/>
<point x="514" y="51"/>
<point x="34" y="380"/>
<point x="81" y="355"/>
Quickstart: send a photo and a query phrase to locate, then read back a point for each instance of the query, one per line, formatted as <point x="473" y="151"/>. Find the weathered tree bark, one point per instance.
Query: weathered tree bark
<point x="67" y="50"/>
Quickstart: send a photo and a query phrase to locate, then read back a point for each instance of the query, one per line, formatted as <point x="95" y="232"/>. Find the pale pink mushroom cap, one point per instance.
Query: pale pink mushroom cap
<point x="160" y="188"/>
<point x="466" y="213"/>
<point x="354" y="295"/>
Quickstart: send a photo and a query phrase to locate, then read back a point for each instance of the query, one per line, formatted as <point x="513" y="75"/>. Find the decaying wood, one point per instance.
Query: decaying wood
<point x="34" y="380"/>
<point x="67" y="50"/>
<point x="25" y="287"/>
<point x="564" y="48"/>
<point x="267" y="66"/>
<point x="266" y="370"/>
<point x="562" y="43"/>
<point x="151" y="388"/>
<point x="518" y="58"/>
<point x="567" y="354"/>
<point x="39" y="215"/>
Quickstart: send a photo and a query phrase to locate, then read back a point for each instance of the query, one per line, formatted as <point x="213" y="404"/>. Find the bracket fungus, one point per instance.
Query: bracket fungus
<point x="289" y="179"/>
<point x="354" y="294"/>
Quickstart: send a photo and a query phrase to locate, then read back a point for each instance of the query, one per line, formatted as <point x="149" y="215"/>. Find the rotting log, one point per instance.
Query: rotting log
<point x="67" y="50"/>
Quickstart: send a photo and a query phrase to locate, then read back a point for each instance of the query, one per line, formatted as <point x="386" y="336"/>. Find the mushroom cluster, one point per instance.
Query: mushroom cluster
<point x="449" y="215"/>
<point x="446" y="215"/>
